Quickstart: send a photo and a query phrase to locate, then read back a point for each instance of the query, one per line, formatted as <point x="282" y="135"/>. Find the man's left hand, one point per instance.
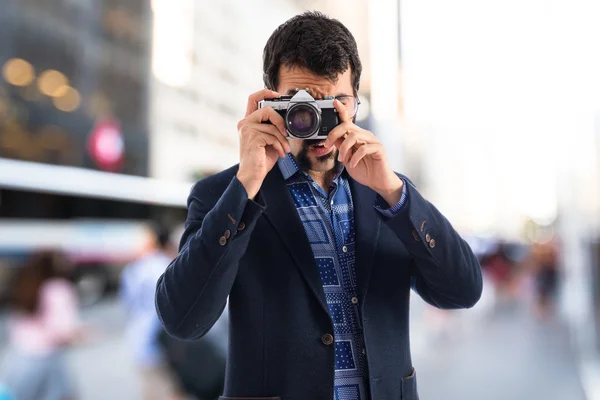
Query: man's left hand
<point x="364" y="157"/>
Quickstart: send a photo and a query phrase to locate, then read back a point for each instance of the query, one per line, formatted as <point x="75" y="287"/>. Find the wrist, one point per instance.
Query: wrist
<point x="391" y="191"/>
<point x="252" y="186"/>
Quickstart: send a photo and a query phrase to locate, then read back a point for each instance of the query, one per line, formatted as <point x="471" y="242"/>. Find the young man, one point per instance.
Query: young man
<point x="315" y="243"/>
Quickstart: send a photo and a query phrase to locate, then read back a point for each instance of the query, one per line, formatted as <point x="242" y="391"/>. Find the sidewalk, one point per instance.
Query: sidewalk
<point x="507" y="356"/>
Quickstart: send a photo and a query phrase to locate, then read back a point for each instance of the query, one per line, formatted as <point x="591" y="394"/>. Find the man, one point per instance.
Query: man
<point x="316" y="244"/>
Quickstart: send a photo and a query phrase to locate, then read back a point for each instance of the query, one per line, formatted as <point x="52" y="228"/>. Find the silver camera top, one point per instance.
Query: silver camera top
<point x="301" y="96"/>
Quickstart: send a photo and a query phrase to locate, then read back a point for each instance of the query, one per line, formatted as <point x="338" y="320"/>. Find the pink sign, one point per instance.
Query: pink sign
<point x="106" y="145"/>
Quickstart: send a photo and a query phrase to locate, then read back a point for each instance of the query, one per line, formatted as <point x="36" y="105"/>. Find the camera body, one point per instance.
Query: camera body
<point x="305" y="117"/>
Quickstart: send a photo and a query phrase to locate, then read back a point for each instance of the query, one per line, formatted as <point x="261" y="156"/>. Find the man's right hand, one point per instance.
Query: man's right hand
<point x="260" y="144"/>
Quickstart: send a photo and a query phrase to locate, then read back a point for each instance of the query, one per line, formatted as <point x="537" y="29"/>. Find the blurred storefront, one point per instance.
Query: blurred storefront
<point x="74" y="88"/>
<point x="74" y="93"/>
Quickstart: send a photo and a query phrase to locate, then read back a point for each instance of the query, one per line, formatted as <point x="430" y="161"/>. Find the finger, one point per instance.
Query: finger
<point x="271" y="130"/>
<point x="254" y="98"/>
<point x="363" y="151"/>
<point x="346" y="146"/>
<point x="340" y="137"/>
<point x="249" y="129"/>
<point x="269" y="140"/>
<point x="338" y="133"/>
<point x="342" y="111"/>
<point x="267" y="114"/>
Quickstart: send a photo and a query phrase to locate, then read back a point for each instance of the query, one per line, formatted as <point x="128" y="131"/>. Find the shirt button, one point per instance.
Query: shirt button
<point x="355" y="300"/>
<point x="345" y="249"/>
<point x="222" y="240"/>
<point x="327" y="339"/>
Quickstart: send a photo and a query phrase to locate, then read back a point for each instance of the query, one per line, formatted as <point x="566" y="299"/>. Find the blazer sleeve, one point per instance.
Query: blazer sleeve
<point x="193" y="291"/>
<point x="446" y="273"/>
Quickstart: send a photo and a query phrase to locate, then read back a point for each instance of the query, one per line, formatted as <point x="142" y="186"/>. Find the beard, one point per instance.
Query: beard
<point x="306" y="164"/>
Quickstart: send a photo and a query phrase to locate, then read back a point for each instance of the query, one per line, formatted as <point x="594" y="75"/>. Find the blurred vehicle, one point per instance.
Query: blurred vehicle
<point x="97" y="219"/>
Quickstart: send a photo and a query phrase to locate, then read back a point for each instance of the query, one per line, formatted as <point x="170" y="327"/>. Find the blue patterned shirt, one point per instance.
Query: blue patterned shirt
<point x="328" y="221"/>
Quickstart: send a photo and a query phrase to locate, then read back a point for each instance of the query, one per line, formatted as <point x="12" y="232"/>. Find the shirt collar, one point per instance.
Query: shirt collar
<point x="289" y="167"/>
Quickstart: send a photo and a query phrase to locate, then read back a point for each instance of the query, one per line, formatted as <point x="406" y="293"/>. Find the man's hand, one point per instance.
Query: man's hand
<point x="260" y="144"/>
<point x="364" y="157"/>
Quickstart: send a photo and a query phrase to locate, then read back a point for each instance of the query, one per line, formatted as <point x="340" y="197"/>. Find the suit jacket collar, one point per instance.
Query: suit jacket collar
<point x="366" y="227"/>
<point x="282" y="215"/>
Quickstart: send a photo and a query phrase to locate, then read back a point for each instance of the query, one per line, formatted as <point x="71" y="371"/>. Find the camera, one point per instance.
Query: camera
<point x="305" y="117"/>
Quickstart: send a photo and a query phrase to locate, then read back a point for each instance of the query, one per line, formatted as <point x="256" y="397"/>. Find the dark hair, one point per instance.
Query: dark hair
<point x="314" y="41"/>
<point x="41" y="266"/>
<point x="162" y="232"/>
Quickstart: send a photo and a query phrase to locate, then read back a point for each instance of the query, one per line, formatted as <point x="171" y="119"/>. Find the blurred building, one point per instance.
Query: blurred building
<point x="74" y="91"/>
<point x="71" y="69"/>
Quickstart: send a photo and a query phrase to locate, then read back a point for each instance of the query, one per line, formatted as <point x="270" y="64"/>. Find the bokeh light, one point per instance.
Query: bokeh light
<point x="53" y="83"/>
<point x="69" y="101"/>
<point x="18" y="72"/>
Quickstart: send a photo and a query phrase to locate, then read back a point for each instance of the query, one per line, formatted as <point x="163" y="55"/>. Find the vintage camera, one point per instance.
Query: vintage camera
<point x="305" y="117"/>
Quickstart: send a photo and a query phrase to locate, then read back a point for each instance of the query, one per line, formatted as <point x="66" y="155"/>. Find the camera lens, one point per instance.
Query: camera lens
<point x="303" y="120"/>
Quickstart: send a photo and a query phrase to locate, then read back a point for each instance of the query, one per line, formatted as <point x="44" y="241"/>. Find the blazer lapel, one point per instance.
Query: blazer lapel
<point x="282" y="215"/>
<point x="366" y="228"/>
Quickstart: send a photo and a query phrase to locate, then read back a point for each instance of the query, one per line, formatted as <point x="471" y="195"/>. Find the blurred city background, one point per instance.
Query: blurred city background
<point x="111" y="109"/>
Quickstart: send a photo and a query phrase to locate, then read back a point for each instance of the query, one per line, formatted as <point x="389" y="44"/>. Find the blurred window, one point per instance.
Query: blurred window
<point x="173" y="60"/>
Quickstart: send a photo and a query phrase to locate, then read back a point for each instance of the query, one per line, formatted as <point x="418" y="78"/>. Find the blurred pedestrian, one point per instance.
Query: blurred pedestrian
<point x="546" y="272"/>
<point x="42" y="325"/>
<point x="501" y="271"/>
<point x="138" y="285"/>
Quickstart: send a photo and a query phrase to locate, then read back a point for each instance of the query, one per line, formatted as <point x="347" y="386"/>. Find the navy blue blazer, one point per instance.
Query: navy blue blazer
<point x="256" y="254"/>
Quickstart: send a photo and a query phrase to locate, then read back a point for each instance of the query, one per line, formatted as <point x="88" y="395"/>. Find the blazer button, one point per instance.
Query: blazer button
<point x="416" y="235"/>
<point x="428" y="238"/>
<point x="222" y="240"/>
<point x="227" y="234"/>
<point x="241" y="226"/>
<point x="432" y="243"/>
<point x="327" y="339"/>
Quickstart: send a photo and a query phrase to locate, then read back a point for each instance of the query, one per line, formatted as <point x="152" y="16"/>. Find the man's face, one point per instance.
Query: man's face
<point x="308" y="156"/>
